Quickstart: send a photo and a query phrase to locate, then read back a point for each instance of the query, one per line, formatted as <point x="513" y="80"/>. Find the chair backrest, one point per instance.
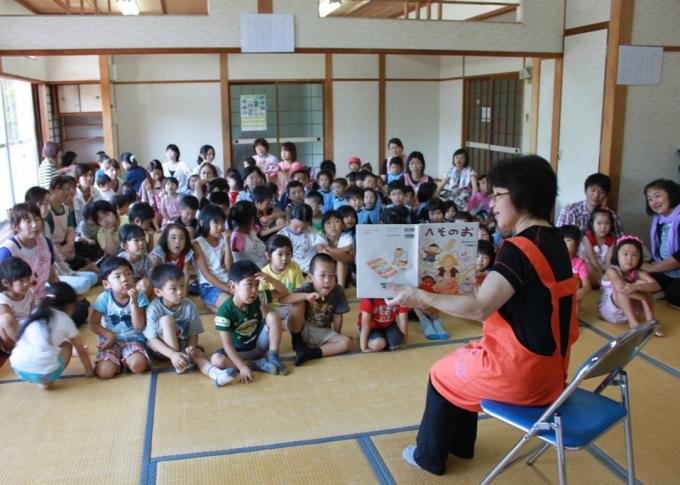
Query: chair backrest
<point x="616" y="354"/>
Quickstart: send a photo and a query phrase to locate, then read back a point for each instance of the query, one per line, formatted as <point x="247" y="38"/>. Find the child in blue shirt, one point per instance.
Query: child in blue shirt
<point x="370" y="214"/>
<point x="118" y="319"/>
<point x="339" y="189"/>
<point x="325" y="179"/>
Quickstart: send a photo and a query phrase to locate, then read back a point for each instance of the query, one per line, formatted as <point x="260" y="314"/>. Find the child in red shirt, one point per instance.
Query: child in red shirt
<point x="381" y="325"/>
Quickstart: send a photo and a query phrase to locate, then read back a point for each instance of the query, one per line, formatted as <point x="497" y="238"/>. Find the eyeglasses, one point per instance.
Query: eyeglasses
<point x="495" y="196"/>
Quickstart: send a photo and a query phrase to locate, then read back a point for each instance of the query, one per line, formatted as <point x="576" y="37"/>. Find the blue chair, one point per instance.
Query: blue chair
<point x="577" y="417"/>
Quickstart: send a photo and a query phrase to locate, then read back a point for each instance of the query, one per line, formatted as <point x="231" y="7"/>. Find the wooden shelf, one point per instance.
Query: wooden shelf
<point x="95" y="138"/>
<point x="81" y="113"/>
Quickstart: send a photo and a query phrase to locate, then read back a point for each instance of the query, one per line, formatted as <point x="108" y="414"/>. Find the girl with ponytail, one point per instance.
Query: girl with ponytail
<point x="47" y="337"/>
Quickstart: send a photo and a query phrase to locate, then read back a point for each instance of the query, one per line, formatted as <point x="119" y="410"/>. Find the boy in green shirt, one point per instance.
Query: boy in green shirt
<point x="249" y="331"/>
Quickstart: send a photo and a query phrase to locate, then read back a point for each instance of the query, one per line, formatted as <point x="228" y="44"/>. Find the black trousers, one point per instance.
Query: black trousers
<point x="670" y="286"/>
<point x="445" y="428"/>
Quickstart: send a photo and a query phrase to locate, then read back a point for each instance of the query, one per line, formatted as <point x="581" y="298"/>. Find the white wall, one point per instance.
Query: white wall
<point x="581" y="118"/>
<point x="276" y="66"/>
<point x="545" y="108"/>
<point x="585" y="12"/>
<point x="10" y="7"/>
<point x="450" y="126"/>
<point x="477" y="66"/>
<point x="72" y="68"/>
<point x="150" y="116"/>
<point x="541" y="30"/>
<point x="651" y="128"/>
<point x="412" y="114"/>
<point x="355" y="122"/>
<point x="25" y="67"/>
<point x="355" y="66"/>
<point x="166" y="67"/>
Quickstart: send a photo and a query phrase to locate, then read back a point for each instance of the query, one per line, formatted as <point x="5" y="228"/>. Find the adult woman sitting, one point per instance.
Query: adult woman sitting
<point x="528" y="308"/>
<point x="460" y="182"/>
<point x="415" y="171"/>
<point x="663" y="202"/>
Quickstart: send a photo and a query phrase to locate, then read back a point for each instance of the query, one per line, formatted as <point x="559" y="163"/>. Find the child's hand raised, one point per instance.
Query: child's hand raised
<point x="132" y="293"/>
<point x="312" y="297"/>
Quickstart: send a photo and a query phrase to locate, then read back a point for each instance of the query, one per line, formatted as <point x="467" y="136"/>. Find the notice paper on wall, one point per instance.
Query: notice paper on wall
<point x="439" y="258"/>
<point x="253" y="112"/>
<point x="267" y="32"/>
<point x="639" y="65"/>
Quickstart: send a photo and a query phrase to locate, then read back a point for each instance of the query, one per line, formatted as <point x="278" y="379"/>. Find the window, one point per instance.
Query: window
<point x="18" y="154"/>
<point x="294" y="112"/>
<point x="493" y="120"/>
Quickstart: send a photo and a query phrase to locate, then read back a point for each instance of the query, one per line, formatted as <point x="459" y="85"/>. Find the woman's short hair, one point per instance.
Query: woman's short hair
<point x="531" y="182"/>
<point x="461" y="151"/>
<point x="50" y="149"/>
<point x="668" y="186"/>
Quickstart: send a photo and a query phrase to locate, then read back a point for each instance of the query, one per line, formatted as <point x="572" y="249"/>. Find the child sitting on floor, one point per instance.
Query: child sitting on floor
<point x="315" y="324"/>
<point x="381" y="326"/>
<point x="282" y="268"/>
<point x="249" y="332"/>
<point x="306" y="241"/>
<point x="16" y="299"/>
<point x="174" y="246"/>
<point x="171" y="202"/>
<point x="118" y="319"/>
<point x="626" y="294"/>
<point x="173" y="325"/>
<point x="133" y="241"/>
<point x="46" y="340"/>
<point x="572" y="238"/>
<point x="340" y="245"/>
<point x="212" y="256"/>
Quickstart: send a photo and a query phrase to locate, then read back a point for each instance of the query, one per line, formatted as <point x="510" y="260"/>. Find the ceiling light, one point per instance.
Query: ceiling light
<point x="128" y="7"/>
<point x="327" y="7"/>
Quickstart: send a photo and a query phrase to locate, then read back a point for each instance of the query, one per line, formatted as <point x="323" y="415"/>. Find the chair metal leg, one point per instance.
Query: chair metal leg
<point x="507" y="460"/>
<point x="627" y="429"/>
<point x="538" y="453"/>
<point x="559" y="438"/>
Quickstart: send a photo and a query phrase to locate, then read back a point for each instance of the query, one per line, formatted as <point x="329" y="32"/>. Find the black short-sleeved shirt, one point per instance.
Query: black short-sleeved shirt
<point x="528" y="311"/>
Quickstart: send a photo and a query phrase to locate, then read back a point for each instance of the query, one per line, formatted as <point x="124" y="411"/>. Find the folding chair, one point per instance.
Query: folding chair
<point x="577" y="417"/>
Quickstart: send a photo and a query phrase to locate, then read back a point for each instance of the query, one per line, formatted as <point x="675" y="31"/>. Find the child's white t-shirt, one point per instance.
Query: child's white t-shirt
<point x="214" y="258"/>
<point x="22" y="308"/>
<point x="37" y="350"/>
<point x="345" y="240"/>
<point x="304" y="245"/>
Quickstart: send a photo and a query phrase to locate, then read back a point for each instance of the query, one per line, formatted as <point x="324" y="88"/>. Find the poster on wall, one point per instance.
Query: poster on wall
<point x="439" y="258"/>
<point x="253" y="112"/>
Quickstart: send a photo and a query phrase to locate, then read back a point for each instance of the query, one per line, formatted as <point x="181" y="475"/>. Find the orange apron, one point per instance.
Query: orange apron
<point x="498" y="366"/>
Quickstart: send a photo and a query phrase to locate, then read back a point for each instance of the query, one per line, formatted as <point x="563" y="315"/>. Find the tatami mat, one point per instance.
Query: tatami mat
<point x="328" y="463"/>
<point x="494" y="440"/>
<point x="327" y="397"/>
<point x="83" y="431"/>
<point x="351" y="407"/>
<point x="662" y="349"/>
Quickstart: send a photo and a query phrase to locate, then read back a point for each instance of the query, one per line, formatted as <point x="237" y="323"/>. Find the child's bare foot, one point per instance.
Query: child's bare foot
<point x="659" y="333"/>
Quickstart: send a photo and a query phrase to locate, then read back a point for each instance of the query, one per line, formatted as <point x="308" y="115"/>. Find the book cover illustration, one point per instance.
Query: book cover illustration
<point x="439" y="258"/>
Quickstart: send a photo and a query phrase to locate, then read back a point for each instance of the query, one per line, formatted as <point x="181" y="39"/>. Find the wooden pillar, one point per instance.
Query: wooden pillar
<point x="328" y="108"/>
<point x="556" y="113"/>
<point x="535" y="98"/>
<point x="265" y="6"/>
<point x="381" y="109"/>
<point x="225" y="104"/>
<point x="107" y="116"/>
<point x="614" y="104"/>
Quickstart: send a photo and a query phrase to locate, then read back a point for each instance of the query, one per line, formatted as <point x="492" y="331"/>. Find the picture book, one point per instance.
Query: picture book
<point x="439" y="258"/>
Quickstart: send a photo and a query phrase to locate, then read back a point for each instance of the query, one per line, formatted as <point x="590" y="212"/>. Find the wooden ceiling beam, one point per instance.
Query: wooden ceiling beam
<point x="28" y="6"/>
<point x="62" y="6"/>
